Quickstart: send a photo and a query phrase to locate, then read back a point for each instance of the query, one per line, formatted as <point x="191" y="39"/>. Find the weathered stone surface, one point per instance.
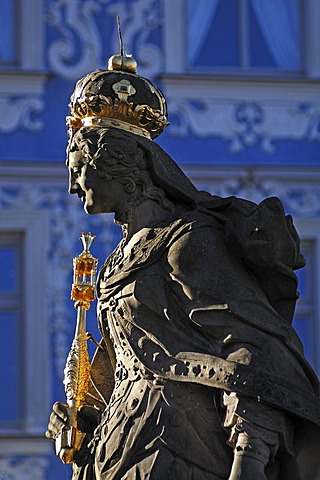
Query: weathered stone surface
<point x="202" y="375"/>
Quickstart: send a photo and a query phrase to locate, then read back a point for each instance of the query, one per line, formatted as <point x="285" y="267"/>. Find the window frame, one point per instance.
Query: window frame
<point x="176" y="61"/>
<point x="27" y="76"/>
<point x="309" y="230"/>
<point x="35" y="361"/>
<point x="12" y="302"/>
<point x="29" y="37"/>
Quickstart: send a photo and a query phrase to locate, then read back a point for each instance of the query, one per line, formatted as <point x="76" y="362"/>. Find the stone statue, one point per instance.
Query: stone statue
<point x="200" y="375"/>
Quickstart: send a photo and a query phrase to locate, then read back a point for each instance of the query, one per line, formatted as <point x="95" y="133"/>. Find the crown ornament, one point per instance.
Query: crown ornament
<point x="118" y="98"/>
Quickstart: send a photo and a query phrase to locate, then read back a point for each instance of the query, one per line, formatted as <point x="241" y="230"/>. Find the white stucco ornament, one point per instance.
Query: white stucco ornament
<point x="245" y="114"/>
<point x="81" y="45"/>
<point x="20" y="112"/>
<point x="26" y="469"/>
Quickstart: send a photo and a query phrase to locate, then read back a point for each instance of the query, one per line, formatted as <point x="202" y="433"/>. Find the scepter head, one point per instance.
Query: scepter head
<point x="84" y="274"/>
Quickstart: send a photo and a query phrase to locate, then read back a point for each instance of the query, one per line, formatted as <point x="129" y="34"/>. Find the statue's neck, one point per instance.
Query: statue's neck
<point x="145" y="214"/>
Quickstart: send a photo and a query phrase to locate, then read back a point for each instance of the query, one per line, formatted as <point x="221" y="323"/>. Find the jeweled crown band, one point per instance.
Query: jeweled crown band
<point x="112" y="123"/>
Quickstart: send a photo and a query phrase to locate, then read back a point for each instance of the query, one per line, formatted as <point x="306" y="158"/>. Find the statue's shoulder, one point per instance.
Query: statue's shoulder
<point x="260" y="236"/>
<point x="265" y="240"/>
<point x="198" y="239"/>
<point x="263" y="234"/>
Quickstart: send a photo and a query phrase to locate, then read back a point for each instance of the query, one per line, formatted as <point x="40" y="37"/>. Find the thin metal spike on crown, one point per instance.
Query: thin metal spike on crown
<point x="122" y="62"/>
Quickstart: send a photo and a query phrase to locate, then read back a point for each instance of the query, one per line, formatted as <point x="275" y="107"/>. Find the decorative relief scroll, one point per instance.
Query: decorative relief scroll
<point x="74" y="21"/>
<point x="82" y="46"/>
<point x="19" y="113"/>
<point x="243" y="124"/>
<point x="27" y="469"/>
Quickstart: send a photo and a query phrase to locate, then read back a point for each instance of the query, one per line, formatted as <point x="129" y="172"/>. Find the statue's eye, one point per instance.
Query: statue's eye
<point x="76" y="172"/>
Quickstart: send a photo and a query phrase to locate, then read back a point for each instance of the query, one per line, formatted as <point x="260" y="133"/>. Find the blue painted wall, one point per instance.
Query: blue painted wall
<point x="248" y="141"/>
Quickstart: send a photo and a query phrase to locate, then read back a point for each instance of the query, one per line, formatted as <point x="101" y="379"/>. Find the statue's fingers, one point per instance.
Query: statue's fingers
<point x="60" y="409"/>
<point x="50" y="435"/>
<point x="56" y="424"/>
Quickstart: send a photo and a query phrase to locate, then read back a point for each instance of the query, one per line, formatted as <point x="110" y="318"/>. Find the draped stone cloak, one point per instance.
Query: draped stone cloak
<point x="207" y="299"/>
<point x="186" y="309"/>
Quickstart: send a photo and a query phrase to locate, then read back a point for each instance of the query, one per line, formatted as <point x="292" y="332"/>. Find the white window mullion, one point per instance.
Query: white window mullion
<point x="244" y="42"/>
<point x="175" y="36"/>
<point x="311" y="42"/>
<point x="33" y="330"/>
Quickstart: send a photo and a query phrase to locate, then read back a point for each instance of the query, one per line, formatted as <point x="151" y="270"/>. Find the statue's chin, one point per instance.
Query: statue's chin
<point x="89" y="209"/>
<point x="94" y="209"/>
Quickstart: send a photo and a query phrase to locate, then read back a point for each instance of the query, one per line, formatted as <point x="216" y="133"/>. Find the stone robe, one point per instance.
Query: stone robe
<point x="193" y="342"/>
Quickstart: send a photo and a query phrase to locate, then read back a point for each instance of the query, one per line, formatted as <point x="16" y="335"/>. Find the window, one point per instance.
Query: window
<point x="278" y="37"/>
<point x="21" y="35"/>
<point x="306" y="320"/>
<point x="8" y="33"/>
<point x="22" y="73"/>
<point x="11" y="326"/>
<point x="254" y="34"/>
<point x="24" y="353"/>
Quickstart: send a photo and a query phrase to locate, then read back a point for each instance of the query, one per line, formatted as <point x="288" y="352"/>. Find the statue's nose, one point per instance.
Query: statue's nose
<point x="73" y="186"/>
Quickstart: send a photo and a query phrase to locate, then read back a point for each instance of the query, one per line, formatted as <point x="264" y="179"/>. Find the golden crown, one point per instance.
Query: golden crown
<point x="118" y="98"/>
<point x="90" y="109"/>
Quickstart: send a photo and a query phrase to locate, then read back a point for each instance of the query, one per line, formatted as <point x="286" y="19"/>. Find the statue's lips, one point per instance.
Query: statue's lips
<point x="82" y="196"/>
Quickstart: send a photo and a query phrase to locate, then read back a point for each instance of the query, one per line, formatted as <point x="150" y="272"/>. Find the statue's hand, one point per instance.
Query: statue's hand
<point x="58" y="420"/>
<point x="88" y="419"/>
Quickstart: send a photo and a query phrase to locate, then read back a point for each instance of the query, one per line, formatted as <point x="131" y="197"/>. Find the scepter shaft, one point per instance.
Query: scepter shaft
<point x="77" y="369"/>
<point x="77" y="383"/>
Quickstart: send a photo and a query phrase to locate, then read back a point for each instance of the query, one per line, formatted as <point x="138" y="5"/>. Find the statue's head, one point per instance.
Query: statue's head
<point x="115" y="115"/>
<point x="104" y="104"/>
<point x="110" y="172"/>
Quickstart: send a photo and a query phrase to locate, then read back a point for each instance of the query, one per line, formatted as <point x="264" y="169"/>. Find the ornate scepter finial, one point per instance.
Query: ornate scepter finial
<point x="87" y="240"/>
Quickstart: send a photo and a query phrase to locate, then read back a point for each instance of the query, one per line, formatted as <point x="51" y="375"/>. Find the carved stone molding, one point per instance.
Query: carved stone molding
<point x="298" y="190"/>
<point x="21" y="101"/>
<point x="244" y="113"/>
<point x="20" y="113"/>
<point x="22" y="86"/>
<point x="27" y="469"/>
<point x="82" y="47"/>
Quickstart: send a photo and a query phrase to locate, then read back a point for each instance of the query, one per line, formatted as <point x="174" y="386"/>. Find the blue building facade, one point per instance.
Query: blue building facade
<point x="241" y="78"/>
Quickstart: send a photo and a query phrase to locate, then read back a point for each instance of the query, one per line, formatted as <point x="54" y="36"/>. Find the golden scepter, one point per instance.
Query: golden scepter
<point x="77" y="370"/>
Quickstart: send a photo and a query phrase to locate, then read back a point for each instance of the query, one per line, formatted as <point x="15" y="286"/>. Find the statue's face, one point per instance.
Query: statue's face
<point x="98" y="194"/>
